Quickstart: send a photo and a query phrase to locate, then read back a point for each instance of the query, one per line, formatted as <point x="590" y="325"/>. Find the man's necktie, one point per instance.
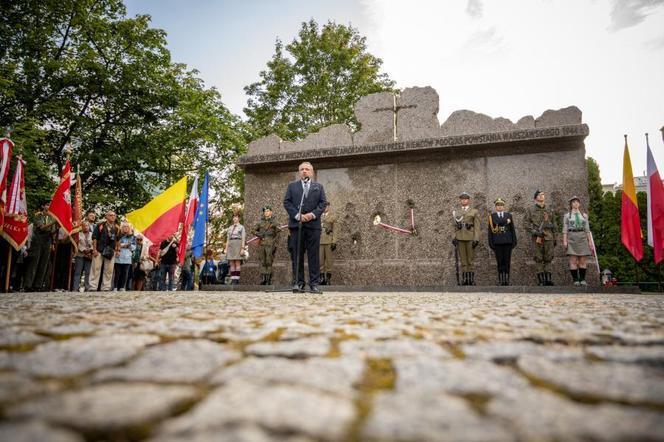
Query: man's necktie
<point x="306" y="188"/>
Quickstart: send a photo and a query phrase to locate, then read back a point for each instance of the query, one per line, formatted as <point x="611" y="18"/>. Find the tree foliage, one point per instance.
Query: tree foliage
<point x="82" y="72"/>
<point x="313" y="82"/>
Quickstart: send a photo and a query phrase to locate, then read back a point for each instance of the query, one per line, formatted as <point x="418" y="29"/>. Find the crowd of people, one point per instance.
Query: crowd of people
<point x="109" y="256"/>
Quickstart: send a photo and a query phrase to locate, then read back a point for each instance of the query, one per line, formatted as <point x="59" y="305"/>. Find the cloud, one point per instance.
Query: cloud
<point x="485" y="38"/>
<point x="628" y="13"/>
<point x="475" y="8"/>
<point x="656" y="43"/>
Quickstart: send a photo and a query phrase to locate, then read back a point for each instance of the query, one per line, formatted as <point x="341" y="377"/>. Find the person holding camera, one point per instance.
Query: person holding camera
<point x="328" y="244"/>
<point x="168" y="251"/>
<point x="104" y="248"/>
<point x="466" y="236"/>
<point x="83" y="260"/>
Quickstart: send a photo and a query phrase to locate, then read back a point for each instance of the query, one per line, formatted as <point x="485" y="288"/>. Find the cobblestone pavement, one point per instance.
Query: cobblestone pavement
<point x="206" y="366"/>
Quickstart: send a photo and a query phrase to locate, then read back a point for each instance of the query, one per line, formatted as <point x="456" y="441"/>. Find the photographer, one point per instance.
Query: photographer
<point x="168" y="251"/>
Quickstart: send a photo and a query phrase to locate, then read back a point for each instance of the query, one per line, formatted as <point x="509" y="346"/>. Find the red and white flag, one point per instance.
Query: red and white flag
<point x="655" y="192"/>
<point x="15" y="226"/>
<point x="77" y="209"/>
<point x="189" y="214"/>
<point x="60" y="207"/>
<point x="6" y="147"/>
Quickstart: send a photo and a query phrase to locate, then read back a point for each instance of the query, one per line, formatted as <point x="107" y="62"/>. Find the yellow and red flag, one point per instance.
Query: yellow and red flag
<point x="15" y="226"/>
<point x="630" y="223"/>
<point x="159" y="218"/>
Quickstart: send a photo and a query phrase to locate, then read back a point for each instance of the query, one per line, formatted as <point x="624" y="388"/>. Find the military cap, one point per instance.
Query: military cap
<point x="537" y="192"/>
<point x="266" y="207"/>
<point x="464" y="195"/>
<point x="574" y="198"/>
<point x="499" y="201"/>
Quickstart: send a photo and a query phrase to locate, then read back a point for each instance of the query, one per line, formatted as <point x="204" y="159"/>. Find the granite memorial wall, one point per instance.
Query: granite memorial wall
<point x="402" y="158"/>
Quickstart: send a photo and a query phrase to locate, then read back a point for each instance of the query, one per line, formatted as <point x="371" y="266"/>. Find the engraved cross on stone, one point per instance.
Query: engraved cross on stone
<point x="395" y="110"/>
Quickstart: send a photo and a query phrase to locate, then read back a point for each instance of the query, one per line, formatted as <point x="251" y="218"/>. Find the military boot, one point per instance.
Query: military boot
<point x="548" y="280"/>
<point x="540" y="278"/>
<point x="328" y="278"/>
<point x="322" y="281"/>
<point x="268" y="279"/>
<point x="471" y="278"/>
<point x="507" y="278"/>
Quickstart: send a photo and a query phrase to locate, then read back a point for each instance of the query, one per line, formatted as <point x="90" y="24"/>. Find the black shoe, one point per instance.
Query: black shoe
<point x="298" y="288"/>
<point x="500" y="278"/>
<point x="547" y="279"/>
<point x="323" y="281"/>
<point x="268" y="279"/>
<point x="471" y="278"/>
<point x="315" y="290"/>
<point x="540" y="278"/>
<point x="328" y="278"/>
<point x="507" y="278"/>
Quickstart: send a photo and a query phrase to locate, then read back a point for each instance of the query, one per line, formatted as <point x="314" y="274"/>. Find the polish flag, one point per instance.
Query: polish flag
<point x="655" y="208"/>
<point x="189" y="214"/>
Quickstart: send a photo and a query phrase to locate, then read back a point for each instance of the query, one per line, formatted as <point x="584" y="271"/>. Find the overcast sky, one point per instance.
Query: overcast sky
<point x="506" y="58"/>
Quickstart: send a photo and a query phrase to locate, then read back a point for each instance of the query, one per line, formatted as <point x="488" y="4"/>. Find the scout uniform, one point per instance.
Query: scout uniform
<point x="43" y="231"/>
<point x="328" y="244"/>
<point x="466" y="238"/>
<point x="266" y="230"/>
<point x="502" y="239"/>
<point x="577" y="230"/>
<point x="541" y="223"/>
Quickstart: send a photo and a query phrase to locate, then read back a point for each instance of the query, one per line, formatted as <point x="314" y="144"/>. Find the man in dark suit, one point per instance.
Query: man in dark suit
<point x="313" y="200"/>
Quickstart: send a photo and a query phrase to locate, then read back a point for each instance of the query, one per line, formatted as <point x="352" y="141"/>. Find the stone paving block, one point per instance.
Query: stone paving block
<point x="14" y="387"/>
<point x="299" y="348"/>
<point x="79" y="355"/>
<point x="598" y="380"/>
<point x="456" y="376"/>
<point x="75" y="329"/>
<point x="186" y="360"/>
<point x="510" y="351"/>
<point x="108" y="407"/>
<point x="651" y="355"/>
<point x="429" y="416"/>
<point x="36" y="432"/>
<point x="538" y="415"/>
<point x="336" y="375"/>
<point x="402" y="348"/>
<point x="241" y="433"/>
<point x="12" y="337"/>
<point x="280" y="408"/>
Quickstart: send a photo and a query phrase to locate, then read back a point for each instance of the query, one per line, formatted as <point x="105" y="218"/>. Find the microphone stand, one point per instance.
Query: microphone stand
<point x="296" y="287"/>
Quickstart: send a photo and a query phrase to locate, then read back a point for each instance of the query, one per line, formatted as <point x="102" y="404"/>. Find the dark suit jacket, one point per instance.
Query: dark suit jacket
<point x="314" y="203"/>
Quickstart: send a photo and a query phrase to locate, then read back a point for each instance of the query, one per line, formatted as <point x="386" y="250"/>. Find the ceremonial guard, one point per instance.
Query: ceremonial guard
<point x="541" y="223"/>
<point x="576" y="238"/>
<point x="502" y="239"/>
<point x="266" y="230"/>
<point x="43" y="233"/>
<point x="466" y="236"/>
<point x="328" y="244"/>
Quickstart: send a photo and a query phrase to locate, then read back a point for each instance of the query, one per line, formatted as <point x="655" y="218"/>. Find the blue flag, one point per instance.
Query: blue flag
<point x="200" y="221"/>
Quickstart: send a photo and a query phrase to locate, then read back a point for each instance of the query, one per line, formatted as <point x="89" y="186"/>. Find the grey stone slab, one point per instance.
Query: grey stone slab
<point x="268" y="144"/>
<point x="540" y="416"/>
<point x="75" y="329"/>
<point x="510" y="351"/>
<point x="376" y="116"/>
<point x="187" y="360"/>
<point x="335" y="376"/>
<point x="457" y="377"/>
<point x="330" y="136"/>
<point x="650" y="355"/>
<point x="418" y="114"/>
<point x="429" y="416"/>
<point x="401" y="348"/>
<point x="561" y="117"/>
<point x="598" y="380"/>
<point x="35" y="431"/>
<point x="298" y="348"/>
<point x="79" y="355"/>
<point x="15" y="337"/>
<point x="236" y="433"/>
<point x="179" y="328"/>
<point x="279" y="408"/>
<point x="107" y="408"/>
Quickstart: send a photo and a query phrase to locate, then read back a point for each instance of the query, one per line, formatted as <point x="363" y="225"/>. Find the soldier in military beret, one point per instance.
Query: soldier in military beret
<point x="466" y="236"/>
<point x="540" y="221"/>
<point x="43" y="234"/>
<point x="502" y="239"/>
<point x="267" y="231"/>
<point x="328" y="244"/>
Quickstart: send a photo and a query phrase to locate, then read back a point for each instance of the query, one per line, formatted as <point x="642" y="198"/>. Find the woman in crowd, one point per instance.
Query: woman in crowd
<point x="136" y="267"/>
<point x="208" y="270"/>
<point x="235" y="244"/>
<point x="576" y="237"/>
<point x="123" y="257"/>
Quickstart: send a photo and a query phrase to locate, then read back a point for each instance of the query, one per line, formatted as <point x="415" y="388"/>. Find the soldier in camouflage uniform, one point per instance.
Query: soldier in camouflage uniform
<point x="328" y="244"/>
<point x="266" y="230"/>
<point x="466" y="237"/>
<point x="43" y="233"/>
<point x="540" y="221"/>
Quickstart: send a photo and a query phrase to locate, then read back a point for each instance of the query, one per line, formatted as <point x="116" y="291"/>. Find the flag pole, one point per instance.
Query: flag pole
<point x="9" y="266"/>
